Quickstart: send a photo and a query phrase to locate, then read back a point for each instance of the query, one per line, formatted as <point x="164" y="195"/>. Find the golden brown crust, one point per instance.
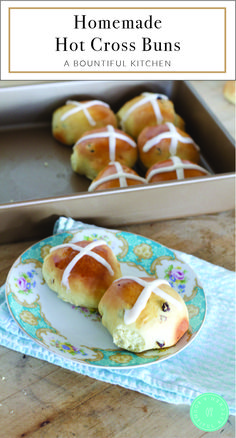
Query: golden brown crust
<point x="161" y="150"/>
<point x="179" y="122"/>
<point x="144" y="115"/>
<point x="101" y="182"/>
<point x="229" y="91"/>
<point x="68" y="131"/>
<point x="172" y="174"/>
<point x="89" y="278"/>
<point x="90" y="156"/>
<point x="154" y="328"/>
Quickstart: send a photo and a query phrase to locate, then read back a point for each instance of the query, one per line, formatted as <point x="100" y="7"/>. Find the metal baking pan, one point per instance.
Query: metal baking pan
<point x="37" y="183"/>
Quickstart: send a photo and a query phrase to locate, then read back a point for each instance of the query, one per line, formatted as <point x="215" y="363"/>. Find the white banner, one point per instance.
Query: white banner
<point x="110" y="40"/>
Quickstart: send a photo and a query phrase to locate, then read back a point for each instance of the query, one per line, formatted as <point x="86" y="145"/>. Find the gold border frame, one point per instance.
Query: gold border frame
<point x="110" y="71"/>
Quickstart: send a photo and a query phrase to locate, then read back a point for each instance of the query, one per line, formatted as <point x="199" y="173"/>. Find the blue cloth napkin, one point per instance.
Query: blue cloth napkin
<point x="206" y="365"/>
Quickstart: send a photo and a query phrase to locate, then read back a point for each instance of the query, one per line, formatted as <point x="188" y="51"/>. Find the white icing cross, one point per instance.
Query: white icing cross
<point x="172" y="134"/>
<point x="147" y="97"/>
<point x="82" y="252"/>
<point x="112" y="135"/>
<point x="132" y="314"/>
<point x="82" y="107"/>
<point x="120" y="174"/>
<point x="178" y="166"/>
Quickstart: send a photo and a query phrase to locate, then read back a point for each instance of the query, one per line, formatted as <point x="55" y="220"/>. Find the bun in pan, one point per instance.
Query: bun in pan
<point x="96" y="149"/>
<point x="115" y="175"/>
<point x="229" y="91"/>
<point x="174" y="169"/>
<point x="81" y="272"/>
<point x="148" y="109"/>
<point x="142" y="314"/>
<point x="74" y="118"/>
<point x="159" y="143"/>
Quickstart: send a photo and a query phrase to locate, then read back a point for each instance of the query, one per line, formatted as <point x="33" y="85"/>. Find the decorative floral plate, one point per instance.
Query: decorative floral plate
<point x="77" y="333"/>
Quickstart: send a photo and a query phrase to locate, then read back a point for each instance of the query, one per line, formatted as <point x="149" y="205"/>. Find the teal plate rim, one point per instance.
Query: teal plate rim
<point x="25" y="297"/>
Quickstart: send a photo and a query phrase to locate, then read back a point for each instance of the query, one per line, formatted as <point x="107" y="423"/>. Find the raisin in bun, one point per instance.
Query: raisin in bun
<point x="148" y="109"/>
<point x="74" y="118"/>
<point x="95" y="149"/>
<point x="142" y="314"/>
<point x="174" y="168"/>
<point x="115" y="175"/>
<point x="158" y="143"/>
<point x="81" y="272"/>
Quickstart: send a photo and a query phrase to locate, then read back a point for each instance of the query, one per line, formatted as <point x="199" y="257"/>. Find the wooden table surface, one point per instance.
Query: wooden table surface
<point x="38" y="399"/>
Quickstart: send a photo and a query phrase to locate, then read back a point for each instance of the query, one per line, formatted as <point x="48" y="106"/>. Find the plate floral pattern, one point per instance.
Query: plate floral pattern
<point x="77" y="333"/>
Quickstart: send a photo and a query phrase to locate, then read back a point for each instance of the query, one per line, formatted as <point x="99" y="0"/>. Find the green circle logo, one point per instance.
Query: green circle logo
<point x="209" y="412"/>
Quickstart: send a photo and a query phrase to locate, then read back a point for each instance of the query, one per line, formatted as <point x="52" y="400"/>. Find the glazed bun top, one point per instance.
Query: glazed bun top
<point x="148" y="109"/>
<point x="95" y="149"/>
<point x="81" y="272"/>
<point x="143" y="314"/>
<point x="71" y="120"/>
<point x="174" y="169"/>
<point x="115" y="175"/>
<point x="158" y="143"/>
<point x="168" y="296"/>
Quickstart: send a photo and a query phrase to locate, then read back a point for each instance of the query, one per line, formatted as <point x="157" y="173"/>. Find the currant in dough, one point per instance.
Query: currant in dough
<point x="148" y="109"/>
<point x="143" y="314"/>
<point x="159" y="143"/>
<point x="96" y="149"/>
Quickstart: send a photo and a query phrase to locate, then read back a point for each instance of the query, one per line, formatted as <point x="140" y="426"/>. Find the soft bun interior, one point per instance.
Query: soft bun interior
<point x="142" y="314"/>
